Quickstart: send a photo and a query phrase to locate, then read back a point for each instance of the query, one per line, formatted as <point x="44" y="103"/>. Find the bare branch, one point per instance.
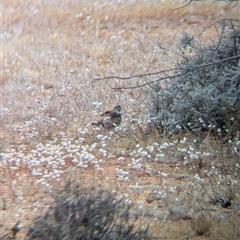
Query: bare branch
<point x="184" y="70"/>
<point x="182" y="6"/>
<point x="170" y="50"/>
<point x="154" y="81"/>
<point x="190" y="1"/>
<point x="139" y="75"/>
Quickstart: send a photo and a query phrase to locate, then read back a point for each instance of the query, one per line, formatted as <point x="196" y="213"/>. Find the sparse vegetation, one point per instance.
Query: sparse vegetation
<point x="79" y="213"/>
<point x="202" y="224"/>
<point x="206" y="98"/>
<point x="52" y="52"/>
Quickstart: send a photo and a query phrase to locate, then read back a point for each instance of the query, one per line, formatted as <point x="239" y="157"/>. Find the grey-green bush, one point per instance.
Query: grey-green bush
<point x="86" y="214"/>
<point x="206" y="98"/>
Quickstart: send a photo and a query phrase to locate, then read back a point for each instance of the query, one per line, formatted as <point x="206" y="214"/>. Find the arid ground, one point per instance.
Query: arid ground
<point x="51" y="53"/>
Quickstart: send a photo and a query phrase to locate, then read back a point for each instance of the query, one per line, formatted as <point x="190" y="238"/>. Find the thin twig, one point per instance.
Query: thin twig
<point x="139" y="75"/>
<point x="154" y="81"/>
<point x="184" y="70"/>
<point x="182" y="6"/>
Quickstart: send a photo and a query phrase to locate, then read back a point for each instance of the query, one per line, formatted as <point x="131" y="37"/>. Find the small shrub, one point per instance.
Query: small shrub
<point x="207" y="98"/>
<point x="86" y="214"/>
<point x="202" y="224"/>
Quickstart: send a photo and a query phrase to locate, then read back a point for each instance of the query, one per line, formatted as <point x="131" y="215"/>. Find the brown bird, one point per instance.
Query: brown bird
<point x="110" y="119"/>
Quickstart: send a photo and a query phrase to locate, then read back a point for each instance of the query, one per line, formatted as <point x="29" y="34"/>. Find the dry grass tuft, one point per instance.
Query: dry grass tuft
<point x="202" y="223"/>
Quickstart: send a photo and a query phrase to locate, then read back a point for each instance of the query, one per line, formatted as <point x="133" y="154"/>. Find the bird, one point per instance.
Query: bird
<point x="110" y="119"/>
<point x="224" y="203"/>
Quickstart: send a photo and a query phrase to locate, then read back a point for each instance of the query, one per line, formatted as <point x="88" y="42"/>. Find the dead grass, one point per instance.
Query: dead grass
<point x="52" y="51"/>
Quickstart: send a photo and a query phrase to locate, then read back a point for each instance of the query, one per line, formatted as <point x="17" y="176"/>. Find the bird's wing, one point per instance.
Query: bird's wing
<point x="105" y="113"/>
